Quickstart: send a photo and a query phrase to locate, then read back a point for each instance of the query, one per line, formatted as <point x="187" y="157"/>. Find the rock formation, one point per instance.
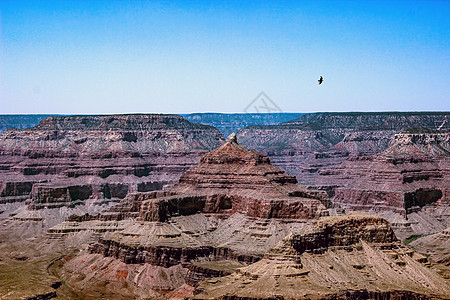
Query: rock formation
<point x="233" y="205"/>
<point x="84" y="164"/>
<point x="228" y="223"/>
<point x="348" y="257"/>
<point x="437" y="246"/>
<point x="233" y="179"/>
<point x="304" y="146"/>
<point x="408" y="183"/>
<point x="394" y="164"/>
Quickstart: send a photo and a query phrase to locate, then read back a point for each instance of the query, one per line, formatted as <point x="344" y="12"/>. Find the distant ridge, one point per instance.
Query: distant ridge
<point x="233" y="122"/>
<point x="226" y="123"/>
<point x="372" y="120"/>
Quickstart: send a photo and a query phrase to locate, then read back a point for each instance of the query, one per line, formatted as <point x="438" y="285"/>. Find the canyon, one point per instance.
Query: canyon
<point x="392" y="164"/>
<point x="84" y="164"/>
<point x="236" y="216"/>
<point x="154" y="206"/>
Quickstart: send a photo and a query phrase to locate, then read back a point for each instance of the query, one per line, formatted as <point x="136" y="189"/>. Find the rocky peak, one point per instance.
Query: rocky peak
<point x="234" y="153"/>
<point x="232" y="138"/>
<point x="233" y="179"/>
<point x="233" y="169"/>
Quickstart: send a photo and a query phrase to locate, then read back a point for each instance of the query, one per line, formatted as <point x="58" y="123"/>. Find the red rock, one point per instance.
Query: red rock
<point x="84" y="164"/>
<point x="228" y="180"/>
<point x="234" y="179"/>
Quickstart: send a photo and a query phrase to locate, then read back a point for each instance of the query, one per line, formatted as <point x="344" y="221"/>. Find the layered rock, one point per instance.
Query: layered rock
<point x="312" y="142"/>
<point x="96" y="160"/>
<point x="408" y="183"/>
<point x="363" y="161"/>
<point x="234" y="179"/>
<point x="157" y="147"/>
<point x="339" y="258"/>
<point x="234" y="205"/>
<point x="228" y="180"/>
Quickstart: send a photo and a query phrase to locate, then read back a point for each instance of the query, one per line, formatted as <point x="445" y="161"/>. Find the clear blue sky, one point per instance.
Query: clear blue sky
<point x="175" y="57"/>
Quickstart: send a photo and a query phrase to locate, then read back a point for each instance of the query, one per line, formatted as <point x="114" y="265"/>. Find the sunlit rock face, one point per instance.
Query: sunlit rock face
<point x="393" y="164"/>
<point x="85" y="164"/>
<point x="345" y="257"/>
<point x="231" y="207"/>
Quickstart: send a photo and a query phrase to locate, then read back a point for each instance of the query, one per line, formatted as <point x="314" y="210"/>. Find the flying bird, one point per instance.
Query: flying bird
<point x="320" y="80"/>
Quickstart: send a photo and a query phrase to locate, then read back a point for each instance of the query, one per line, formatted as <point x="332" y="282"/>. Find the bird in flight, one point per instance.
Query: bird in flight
<point x="320" y="80"/>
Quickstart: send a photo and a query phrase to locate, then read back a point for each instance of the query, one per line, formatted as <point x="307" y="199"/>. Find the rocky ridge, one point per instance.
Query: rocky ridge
<point x="234" y="205"/>
<point x="85" y="164"/>
<point x="344" y="257"/>
<point x="306" y="145"/>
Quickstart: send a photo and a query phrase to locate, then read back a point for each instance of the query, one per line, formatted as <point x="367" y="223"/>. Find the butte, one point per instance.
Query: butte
<point x="224" y="213"/>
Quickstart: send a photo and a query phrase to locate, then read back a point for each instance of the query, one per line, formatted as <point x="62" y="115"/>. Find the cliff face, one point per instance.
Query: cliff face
<point x="65" y="161"/>
<point x="408" y="183"/>
<point x="353" y="257"/>
<point x="306" y="145"/>
<point x="233" y="205"/>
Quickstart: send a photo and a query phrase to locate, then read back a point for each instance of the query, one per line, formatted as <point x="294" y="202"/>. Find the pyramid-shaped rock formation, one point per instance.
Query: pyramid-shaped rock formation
<point x="233" y="206"/>
<point x="234" y="179"/>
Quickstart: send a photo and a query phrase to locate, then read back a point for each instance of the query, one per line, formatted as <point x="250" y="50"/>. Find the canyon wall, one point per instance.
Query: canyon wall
<point x="76" y="161"/>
